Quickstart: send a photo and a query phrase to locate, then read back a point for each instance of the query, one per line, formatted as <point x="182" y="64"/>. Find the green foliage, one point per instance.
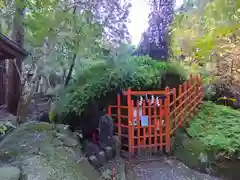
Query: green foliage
<point x="193" y="69"/>
<point x="198" y="34"/>
<point x="218" y="127"/>
<point x="207" y="39"/>
<point x="3" y="129"/>
<point x="101" y="78"/>
<point x="59" y="34"/>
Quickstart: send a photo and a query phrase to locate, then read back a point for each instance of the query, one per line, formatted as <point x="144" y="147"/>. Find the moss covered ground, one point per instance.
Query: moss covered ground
<point x="217" y="127"/>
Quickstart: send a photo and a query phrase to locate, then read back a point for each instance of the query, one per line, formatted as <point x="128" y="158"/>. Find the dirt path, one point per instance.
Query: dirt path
<point x="165" y="169"/>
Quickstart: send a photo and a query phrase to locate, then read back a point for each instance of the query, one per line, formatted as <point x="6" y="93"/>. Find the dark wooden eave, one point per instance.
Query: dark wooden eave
<point x="9" y="49"/>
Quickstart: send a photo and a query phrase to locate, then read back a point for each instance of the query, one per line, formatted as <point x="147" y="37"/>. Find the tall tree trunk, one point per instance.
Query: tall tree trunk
<point x="14" y="78"/>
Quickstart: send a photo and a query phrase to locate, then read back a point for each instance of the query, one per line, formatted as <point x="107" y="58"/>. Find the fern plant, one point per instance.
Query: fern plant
<point x="113" y="74"/>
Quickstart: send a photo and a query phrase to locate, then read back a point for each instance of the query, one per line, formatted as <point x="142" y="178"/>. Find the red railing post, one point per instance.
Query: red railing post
<point x="180" y="104"/>
<point x="119" y="114"/>
<point x="133" y="128"/>
<point x="130" y="122"/>
<point x="175" y="122"/>
<point x="138" y="127"/>
<point x="201" y="85"/>
<point x="189" y="97"/>
<point x="184" y="101"/>
<point x="167" y="120"/>
<point x="143" y="142"/>
<point x="149" y="128"/>
<point x="155" y="125"/>
<point x="160" y="124"/>
<point x="191" y="91"/>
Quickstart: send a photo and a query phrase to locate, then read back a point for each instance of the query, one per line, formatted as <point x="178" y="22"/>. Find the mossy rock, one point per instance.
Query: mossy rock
<point x="196" y="155"/>
<point x="40" y="154"/>
<point x="189" y="151"/>
<point x="9" y="173"/>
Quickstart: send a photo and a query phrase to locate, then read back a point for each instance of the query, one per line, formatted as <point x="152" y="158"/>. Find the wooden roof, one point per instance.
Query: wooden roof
<point x="9" y="49"/>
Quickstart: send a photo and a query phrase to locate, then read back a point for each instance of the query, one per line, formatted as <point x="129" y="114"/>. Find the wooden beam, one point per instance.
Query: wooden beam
<point x="2" y="82"/>
<point x="8" y="52"/>
<point x="12" y="45"/>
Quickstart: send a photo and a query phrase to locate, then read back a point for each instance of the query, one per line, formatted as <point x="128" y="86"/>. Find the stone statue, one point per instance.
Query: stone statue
<point x="105" y="131"/>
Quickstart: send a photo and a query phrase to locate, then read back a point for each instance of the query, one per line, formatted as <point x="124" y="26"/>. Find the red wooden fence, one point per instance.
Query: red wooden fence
<point x="145" y="125"/>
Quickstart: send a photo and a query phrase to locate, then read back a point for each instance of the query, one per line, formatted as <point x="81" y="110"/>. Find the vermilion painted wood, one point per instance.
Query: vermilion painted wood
<point x="143" y="93"/>
<point x="119" y="113"/>
<point x="163" y="119"/>
<point x="138" y="126"/>
<point x="160" y="125"/>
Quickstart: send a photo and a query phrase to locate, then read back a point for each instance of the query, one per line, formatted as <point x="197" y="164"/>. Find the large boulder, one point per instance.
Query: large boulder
<point x="9" y="173"/>
<point x="41" y="154"/>
<point x="190" y="151"/>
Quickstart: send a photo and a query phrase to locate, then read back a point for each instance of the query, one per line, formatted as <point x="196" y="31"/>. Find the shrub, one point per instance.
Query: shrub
<point x="218" y="127"/>
<point x="111" y="76"/>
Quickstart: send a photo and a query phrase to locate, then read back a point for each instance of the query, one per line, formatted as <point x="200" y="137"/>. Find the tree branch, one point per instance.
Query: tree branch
<point x="73" y="60"/>
<point x="68" y="78"/>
